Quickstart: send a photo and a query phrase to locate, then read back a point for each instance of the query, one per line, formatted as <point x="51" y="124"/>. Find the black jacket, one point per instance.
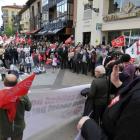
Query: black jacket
<point x="121" y="121"/>
<point x="106" y="61"/>
<point x="64" y="53"/>
<point x="81" y="57"/>
<point x="13" y="51"/>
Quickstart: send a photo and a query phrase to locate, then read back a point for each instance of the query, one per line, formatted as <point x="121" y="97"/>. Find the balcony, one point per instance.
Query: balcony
<point x="5" y="23"/>
<point x="26" y="20"/>
<point x="5" y="15"/>
<point x="63" y="21"/>
<point x="24" y="30"/>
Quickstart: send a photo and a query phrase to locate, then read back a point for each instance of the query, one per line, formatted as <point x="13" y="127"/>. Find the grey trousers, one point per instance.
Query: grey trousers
<point x="17" y="137"/>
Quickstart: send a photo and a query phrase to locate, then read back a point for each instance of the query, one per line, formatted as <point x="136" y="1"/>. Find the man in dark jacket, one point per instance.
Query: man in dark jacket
<point x="63" y="54"/>
<point x="13" y="129"/>
<point x="76" y="60"/>
<point x="121" y="118"/>
<point x="13" y="53"/>
<point x="83" y="60"/>
<point x="97" y="96"/>
<point x="6" y="57"/>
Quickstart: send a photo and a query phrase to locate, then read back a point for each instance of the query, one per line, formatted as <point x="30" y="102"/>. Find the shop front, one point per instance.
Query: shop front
<point x="123" y="18"/>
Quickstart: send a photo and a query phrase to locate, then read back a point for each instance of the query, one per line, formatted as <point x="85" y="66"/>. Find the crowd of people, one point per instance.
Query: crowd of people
<point x="79" y="58"/>
<point x="83" y="59"/>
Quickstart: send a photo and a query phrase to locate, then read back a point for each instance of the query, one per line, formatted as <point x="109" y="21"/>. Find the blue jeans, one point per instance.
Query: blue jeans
<point x="19" y="59"/>
<point x="28" y="65"/>
<point x="13" y="58"/>
<point x="97" y="64"/>
<point x="6" y="63"/>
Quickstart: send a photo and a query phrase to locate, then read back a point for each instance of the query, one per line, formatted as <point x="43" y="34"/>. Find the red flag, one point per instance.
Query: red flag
<point x="44" y="57"/>
<point x="47" y="53"/>
<point x="17" y="39"/>
<point x="48" y="61"/>
<point x="132" y="60"/>
<point x="120" y="41"/>
<point x="17" y="33"/>
<point x="54" y="46"/>
<point x="68" y="41"/>
<point x="9" y="98"/>
<point x="33" y="54"/>
<point x="29" y="41"/>
<point x="4" y="38"/>
<point x="22" y="40"/>
<point x="39" y="57"/>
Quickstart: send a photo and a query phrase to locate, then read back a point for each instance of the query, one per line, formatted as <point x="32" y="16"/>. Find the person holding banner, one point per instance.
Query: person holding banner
<point x="11" y="124"/>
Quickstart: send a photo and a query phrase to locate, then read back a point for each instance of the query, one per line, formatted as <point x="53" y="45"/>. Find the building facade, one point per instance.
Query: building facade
<point x="57" y="19"/>
<point x="35" y="9"/>
<point x="9" y="12"/>
<point x="25" y="20"/>
<point x="16" y="23"/>
<point x="115" y="18"/>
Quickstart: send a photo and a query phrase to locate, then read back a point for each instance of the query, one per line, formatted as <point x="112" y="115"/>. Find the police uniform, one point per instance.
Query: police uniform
<point x="121" y="120"/>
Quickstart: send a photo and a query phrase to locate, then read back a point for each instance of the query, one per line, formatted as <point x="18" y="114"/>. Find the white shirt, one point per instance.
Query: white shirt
<point x="27" y="50"/>
<point x="12" y="67"/>
<point x="28" y="60"/>
<point x="103" y="61"/>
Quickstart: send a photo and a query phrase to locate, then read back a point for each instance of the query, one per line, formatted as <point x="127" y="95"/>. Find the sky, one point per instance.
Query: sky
<point x="10" y="2"/>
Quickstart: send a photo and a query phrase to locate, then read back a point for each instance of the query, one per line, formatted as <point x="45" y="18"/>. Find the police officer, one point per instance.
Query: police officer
<point x="121" y="120"/>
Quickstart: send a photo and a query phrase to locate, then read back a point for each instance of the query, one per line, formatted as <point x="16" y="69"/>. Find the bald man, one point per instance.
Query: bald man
<point x="13" y="129"/>
<point x="97" y="96"/>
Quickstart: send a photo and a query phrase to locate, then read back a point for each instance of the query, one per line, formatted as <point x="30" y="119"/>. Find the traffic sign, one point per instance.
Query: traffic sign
<point x="98" y="26"/>
<point x="96" y="41"/>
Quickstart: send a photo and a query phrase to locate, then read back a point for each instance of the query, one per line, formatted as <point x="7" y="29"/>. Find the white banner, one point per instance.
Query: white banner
<point x="51" y="107"/>
<point x="134" y="50"/>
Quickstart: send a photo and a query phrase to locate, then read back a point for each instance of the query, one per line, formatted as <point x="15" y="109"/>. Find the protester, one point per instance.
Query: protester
<point x="84" y="60"/>
<point x="97" y="96"/>
<point x="13" y="70"/>
<point x="15" y="128"/>
<point x="120" y="117"/>
<point x="42" y="69"/>
<point x="54" y="64"/>
<point x="76" y="60"/>
<point x="2" y="72"/>
<point x="21" y="70"/>
<point x="98" y="59"/>
<point x="129" y="72"/>
<point x="36" y="70"/>
<point x="63" y="54"/>
<point x="70" y="59"/>
<point x="28" y="61"/>
<point x="93" y="57"/>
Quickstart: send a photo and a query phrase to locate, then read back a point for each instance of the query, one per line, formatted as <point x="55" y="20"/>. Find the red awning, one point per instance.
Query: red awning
<point x="32" y="32"/>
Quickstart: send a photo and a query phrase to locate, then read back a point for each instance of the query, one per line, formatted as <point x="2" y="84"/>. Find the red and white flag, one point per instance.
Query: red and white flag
<point x="134" y="50"/>
<point x="22" y="40"/>
<point x="29" y="41"/>
<point x="17" y="39"/>
<point x="48" y="61"/>
<point x="39" y="57"/>
<point x="10" y="98"/>
<point x="69" y="40"/>
<point x="120" y="41"/>
<point x="33" y="54"/>
<point x="54" y="46"/>
<point x="47" y="52"/>
<point x="4" y="38"/>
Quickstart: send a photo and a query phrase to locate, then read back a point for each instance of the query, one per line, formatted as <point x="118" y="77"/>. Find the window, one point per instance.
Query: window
<point x="117" y="5"/>
<point x="86" y="7"/>
<point x="114" y="6"/>
<point x="5" y="13"/>
<point x="13" y="14"/>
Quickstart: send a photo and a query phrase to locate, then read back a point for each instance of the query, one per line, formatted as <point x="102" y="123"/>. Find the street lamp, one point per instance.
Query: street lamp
<point x="90" y="3"/>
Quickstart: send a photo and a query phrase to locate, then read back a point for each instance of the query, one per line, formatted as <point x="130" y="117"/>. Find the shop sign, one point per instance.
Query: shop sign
<point x="127" y="9"/>
<point x="98" y="26"/>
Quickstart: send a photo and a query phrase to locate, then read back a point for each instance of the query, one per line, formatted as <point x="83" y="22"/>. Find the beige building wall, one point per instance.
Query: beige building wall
<point x="89" y="25"/>
<point x="25" y="22"/>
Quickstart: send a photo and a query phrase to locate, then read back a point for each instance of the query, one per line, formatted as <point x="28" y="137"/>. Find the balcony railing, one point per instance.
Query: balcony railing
<point x="5" y="23"/>
<point x="58" y="22"/>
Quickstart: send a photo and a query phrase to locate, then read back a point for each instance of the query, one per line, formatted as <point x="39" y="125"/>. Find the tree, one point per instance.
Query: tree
<point x="9" y="31"/>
